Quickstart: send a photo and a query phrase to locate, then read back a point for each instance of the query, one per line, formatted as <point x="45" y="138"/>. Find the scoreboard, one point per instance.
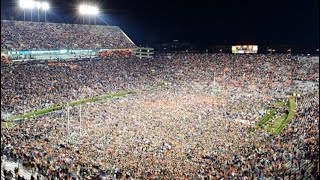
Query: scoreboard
<point x="244" y="49"/>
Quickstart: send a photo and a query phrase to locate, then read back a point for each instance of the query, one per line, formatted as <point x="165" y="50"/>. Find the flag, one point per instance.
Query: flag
<point x="289" y="50"/>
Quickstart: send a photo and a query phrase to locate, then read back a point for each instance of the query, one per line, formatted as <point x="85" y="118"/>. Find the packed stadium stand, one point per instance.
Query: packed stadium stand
<point x="182" y="115"/>
<point x="20" y="35"/>
<point x="179" y="127"/>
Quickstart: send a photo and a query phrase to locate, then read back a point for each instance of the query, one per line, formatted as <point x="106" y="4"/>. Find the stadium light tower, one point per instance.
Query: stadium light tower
<point x="45" y="6"/>
<point x="39" y="5"/>
<point x="26" y="4"/>
<point x="89" y="10"/>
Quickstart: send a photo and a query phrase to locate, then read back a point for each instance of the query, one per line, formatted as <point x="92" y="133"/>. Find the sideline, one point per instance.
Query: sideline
<point x="73" y="103"/>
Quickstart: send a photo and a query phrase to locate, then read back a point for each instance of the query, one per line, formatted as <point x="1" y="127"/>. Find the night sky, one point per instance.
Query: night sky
<point x="215" y="22"/>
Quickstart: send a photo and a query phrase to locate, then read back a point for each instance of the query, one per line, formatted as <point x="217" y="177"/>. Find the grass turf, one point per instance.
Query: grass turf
<point x="273" y="122"/>
<point x="73" y="103"/>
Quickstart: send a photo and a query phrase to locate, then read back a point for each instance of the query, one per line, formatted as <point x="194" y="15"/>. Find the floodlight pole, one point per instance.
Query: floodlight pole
<point x="38" y="16"/>
<point x="89" y="20"/>
<point x="95" y="23"/>
<point x="31" y="15"/>
<point x="45" y="15"/>
<point x="24" y="14"/>
<point x="82" y="19"/>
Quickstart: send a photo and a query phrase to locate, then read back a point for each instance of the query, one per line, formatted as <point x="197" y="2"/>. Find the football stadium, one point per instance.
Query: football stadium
<point x="84" y="101"/>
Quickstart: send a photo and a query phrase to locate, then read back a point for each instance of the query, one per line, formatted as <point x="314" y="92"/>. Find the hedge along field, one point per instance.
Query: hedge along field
<point x="6" y="124"/>
<point x="73" y="103"/>
<point x="292" y="109"/>
<point x="279" y="121"/>
<point x="267" y="117"/>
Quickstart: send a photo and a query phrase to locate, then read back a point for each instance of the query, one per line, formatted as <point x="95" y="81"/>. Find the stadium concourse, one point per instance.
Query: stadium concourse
<point x="186" y="115"/>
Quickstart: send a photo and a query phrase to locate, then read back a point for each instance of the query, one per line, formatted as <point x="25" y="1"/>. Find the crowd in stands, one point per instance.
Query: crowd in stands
<point x="183" y="121"/>
<point x="20" y="35"/>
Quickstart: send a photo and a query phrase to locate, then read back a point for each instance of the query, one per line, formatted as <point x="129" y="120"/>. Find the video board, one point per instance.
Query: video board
<point x="244" y="49"/>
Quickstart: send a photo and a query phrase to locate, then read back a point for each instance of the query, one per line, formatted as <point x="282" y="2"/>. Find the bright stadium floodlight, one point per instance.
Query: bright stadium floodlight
<point x="27" y="4"/>
<point x="38" y="5"/>
<point x="82" y="9"/>
<point x="45" y="6"/>
<point x="89" y="10"/>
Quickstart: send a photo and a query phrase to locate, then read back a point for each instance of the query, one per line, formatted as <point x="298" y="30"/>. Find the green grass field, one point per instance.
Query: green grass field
<point x="292" y="109"/>
<point x="57" y="107"/>
<point x="267" y="117"/>
<point x="73" y="103"/>
<point x="6" y="124"/>
<point x="274" y="122"/>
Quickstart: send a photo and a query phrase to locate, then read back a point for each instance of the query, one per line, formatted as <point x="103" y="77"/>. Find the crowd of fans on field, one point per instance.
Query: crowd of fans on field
<point x="184" y="119"/>
<point x="20" y="35"/>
